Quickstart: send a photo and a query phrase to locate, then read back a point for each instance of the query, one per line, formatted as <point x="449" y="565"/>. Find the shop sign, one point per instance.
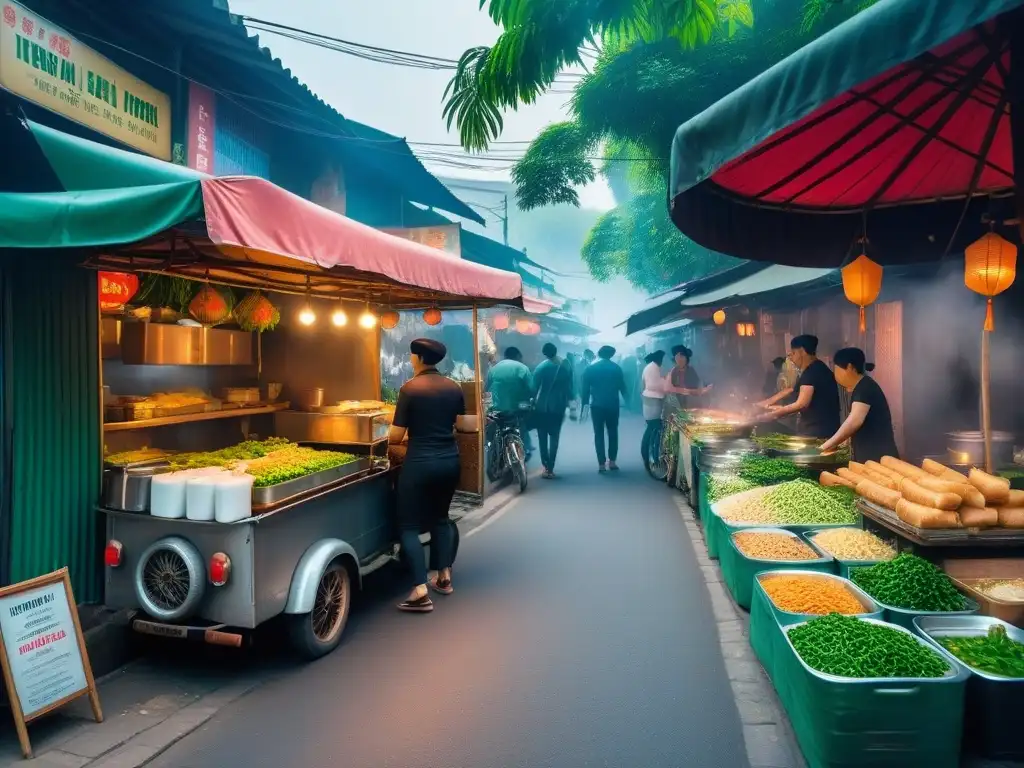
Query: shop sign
<point x="45" y="663"/>
<point x="116" y="290"/>
<point x="202" y="117"/>
<point x="445" y="237"/>
<point x="44" y="64"/>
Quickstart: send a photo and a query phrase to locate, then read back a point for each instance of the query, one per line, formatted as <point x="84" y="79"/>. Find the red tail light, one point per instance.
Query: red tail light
<point x="112" y="554"/>
<point x="220" y="569"/>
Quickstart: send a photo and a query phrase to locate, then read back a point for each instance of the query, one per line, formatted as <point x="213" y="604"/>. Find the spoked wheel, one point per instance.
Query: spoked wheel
<point x="657" y="464"/>
<point x="319" y="632"/>
<point x="515" y="455"/>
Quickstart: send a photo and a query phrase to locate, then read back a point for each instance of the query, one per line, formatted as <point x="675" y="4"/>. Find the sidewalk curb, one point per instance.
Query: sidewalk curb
<point x="767" y="734"/>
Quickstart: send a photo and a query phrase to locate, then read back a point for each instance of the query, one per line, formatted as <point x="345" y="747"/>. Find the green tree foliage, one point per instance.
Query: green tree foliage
<point x="661" y="62"/>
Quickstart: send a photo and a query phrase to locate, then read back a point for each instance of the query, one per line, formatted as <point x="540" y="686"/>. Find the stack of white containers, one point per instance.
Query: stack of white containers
<point x="205" y="495"/>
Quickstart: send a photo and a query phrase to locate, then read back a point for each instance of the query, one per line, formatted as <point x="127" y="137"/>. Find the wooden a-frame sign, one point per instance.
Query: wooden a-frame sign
<point x="42" y="651"/>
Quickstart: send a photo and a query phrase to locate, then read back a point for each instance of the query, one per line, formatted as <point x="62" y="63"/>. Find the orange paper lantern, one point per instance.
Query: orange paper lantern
<point x="389" y="320"/>
<point x="990" y="266"/>
<point x="501" y="322"/>
<point x="523" y="326"/>
<point x="432" y="316"/>
<point x="862" y="282"/>
<point x="208" y="307"/>
<point x="116" y="290"/>
<point x="719" y="317"/>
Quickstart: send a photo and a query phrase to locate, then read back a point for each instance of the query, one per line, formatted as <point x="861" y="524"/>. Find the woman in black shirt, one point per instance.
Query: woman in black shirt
<point x="869" y="425"/>
<point x="428" y="410"/>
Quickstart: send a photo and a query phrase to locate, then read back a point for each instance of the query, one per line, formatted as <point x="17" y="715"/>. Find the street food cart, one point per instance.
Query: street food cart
<point x="246" y="467"/>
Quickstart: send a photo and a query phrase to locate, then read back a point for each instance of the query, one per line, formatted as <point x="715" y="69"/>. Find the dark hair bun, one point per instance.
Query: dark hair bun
<point x="869" y="367"/>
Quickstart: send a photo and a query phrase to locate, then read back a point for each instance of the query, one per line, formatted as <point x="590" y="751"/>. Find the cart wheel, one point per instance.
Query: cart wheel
<point x="318" y="633"/>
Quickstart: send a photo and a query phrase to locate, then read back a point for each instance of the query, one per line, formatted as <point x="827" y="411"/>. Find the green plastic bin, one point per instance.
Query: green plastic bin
<point x="843" y="567"/>
<point x="890" y="722"/>
<point x="738" y="570"/>
<point x="767" y="620"/>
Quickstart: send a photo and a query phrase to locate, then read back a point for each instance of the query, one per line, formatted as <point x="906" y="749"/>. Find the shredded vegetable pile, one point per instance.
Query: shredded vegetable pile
<point x="1007" y="590"/>
<point x="760" y="470"/>
<point x="722" y="485"/>
<point x="798" y="502"/>
<point x="773" y="546"/>
<point x="993" y="652"/>
<point x="292" y="462"/>
<point x="853" y="544"/>
<point x="911" y="583"/>
<point x="245" y="451"/>
<point x="810" y="594"/>
<point x="848" y="647"/>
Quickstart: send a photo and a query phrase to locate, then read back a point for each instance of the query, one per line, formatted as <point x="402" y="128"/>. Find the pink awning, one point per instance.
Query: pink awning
<point x="252" y="214"/>
<point x="536" y="306"/>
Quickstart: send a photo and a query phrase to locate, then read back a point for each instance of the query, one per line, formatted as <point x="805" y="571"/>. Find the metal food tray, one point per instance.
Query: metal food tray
<point x="890" y="519"/>
<point x="274" y="494"/>
<point x="161" y="412"/>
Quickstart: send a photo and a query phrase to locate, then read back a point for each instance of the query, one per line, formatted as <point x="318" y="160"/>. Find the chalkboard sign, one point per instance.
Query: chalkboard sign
<point x="45" y="663"/>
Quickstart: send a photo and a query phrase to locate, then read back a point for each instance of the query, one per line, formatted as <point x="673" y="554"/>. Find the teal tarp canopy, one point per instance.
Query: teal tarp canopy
<point x="107" y="197"/>
<point x="896" y="121"/>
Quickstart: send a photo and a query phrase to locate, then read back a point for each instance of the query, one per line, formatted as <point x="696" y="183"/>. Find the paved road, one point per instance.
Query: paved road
<point x="580" y="634"/>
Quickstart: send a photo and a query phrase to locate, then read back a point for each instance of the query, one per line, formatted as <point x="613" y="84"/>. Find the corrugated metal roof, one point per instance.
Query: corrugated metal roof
<point x="774" y="277"/>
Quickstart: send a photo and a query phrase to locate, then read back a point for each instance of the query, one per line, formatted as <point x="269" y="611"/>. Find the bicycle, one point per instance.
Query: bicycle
<point x="656" y="462"/>
<point x="506" y="452"/>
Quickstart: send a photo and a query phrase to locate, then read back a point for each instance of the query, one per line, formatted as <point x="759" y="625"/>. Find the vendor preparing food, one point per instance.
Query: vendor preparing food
<point x="817" y="401"/>
<point x="869" y="425"/>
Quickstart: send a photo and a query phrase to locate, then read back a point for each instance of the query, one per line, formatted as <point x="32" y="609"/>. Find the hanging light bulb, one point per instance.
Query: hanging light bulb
<point x="367" y="320"/>
<point x="307" y="316"/>
<point x="339" y="318"/>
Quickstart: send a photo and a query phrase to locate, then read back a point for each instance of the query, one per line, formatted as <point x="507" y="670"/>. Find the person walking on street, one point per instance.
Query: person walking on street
<point x="653" y="399"/>
<point x="430" y="407"/>
<point x="552" y="381"/>
<point x="603" y="383"/>
<point x="511" y="386"/>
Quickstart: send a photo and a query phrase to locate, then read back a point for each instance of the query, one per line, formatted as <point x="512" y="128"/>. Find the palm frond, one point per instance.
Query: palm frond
<point x="470" y="103"/>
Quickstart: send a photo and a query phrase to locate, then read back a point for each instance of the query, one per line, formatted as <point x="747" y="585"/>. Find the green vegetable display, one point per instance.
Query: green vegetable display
<point x="993" y="652"/>
<point x="722" y="485"/>
<point x="911" y="583"/>
<point x="760" y="470"/>
<point x="292" y="462"/>
<point x="245" y="451"/>
<point x="804" y="502"/>
<point x="849" y="647"/>
<point x="774" y="441"/>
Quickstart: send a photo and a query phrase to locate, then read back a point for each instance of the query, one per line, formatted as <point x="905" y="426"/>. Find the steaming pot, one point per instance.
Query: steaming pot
<point x="968" y="447"/>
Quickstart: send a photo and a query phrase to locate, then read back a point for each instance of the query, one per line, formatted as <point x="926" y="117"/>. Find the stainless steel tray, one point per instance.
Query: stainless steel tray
<point x="933" y="627"/>
<point x="274" y="494"/>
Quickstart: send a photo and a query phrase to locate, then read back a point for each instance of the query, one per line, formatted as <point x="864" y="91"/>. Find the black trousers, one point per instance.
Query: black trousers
<point x="549" y="430"/>
<point x="605" y="419"/>
<point x="425" y="492"/>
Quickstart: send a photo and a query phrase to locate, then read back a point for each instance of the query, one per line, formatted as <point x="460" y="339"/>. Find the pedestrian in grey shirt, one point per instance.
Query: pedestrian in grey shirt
<point x="603" y="384"/>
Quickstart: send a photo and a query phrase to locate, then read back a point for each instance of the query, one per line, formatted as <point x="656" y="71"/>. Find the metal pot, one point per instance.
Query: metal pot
<point x="968" y="447"/>
<point x="127" y="488"/>
<point x="311" y="398"/>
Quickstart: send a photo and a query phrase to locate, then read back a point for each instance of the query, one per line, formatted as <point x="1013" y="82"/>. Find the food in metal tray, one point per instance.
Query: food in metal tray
<point x="762" y="470"/>
<point x="848" y="647"/>
<point x="291" y="462"/>
<point x="993" y="652"/>
<point x="798" y="502"/>
<point x="1006" y="590"/>
<point x="759" y="545"/>
<point x="722" y="485"/>
<point x="810" y="594"/>
<point x="125" y="458"/>
<point x="250" y="449"/>
<point x="853" y="544"/>
<point x="911" y="583"/>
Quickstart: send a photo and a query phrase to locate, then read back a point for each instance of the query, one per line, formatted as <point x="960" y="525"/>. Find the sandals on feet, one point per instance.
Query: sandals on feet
<point x="442" y="587"/>
<point x="417" y="605"/>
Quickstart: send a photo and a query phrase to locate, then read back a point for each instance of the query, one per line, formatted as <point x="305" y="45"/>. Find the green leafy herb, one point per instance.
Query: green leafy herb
<point x="722" y="485"/>
<point x="993" y="652"/>
<point x="760" y="470"/>
<point x="911" y="583"/>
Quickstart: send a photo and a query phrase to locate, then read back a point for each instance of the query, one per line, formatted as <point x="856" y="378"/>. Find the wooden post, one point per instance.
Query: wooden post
<point x="986" y="405"/>
<point x="481" y="417"/>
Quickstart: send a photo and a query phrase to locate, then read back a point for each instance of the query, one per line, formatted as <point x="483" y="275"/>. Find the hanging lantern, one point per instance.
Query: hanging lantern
<point x="501" y="322"/>
<point x="389" y="320"/>
<point x="523" y="326"/>
<point x="990" y="267"/>
<point x="256" y="313"/>
<point x="432" y="316"/>
<point x="719" y="317"/>
<point x="534" y="328"/>
<point x="208" y="307"/>
<point x="862" y="282"/>
<point x="745" y="329"/>
<point x="116" y="290"/>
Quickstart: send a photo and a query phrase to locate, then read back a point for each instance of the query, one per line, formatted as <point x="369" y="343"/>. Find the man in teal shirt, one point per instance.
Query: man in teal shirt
<point x="511" y="384"/>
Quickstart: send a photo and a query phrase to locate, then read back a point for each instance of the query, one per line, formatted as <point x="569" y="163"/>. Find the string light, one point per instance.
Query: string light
<point x="367" y="320"/>
<point x="339" y="318"/>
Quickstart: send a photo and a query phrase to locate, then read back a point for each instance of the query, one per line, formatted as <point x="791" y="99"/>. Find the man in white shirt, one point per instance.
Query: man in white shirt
<point x="653" y="399"/>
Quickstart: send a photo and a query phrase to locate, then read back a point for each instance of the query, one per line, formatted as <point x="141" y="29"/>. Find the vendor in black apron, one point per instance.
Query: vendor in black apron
<point x="817" y="395"/>
<point x="869" y="425"/>
<point x="429" y="408"/>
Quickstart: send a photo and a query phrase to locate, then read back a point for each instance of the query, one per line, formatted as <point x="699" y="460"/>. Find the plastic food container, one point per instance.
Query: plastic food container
<point x="167" y="495"/>
<point x="767" y="620"/>
<point x="738" y="570"/>
<point x="199" y="497"/>
<point x="994" y="702"/>
<point x="843" y="566"/>
<point x="233" y="498"/>
<point x="843" y="722"/>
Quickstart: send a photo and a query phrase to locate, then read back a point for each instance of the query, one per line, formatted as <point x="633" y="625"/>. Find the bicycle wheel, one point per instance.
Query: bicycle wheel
<point x="515" y="456"/>
<point x="657" y="464"/>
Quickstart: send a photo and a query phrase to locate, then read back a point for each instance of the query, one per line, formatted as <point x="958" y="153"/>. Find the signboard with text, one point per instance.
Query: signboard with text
<point x="45" y="664"/>
<point x="44" y="64"/>
<point x="202" y="116"/>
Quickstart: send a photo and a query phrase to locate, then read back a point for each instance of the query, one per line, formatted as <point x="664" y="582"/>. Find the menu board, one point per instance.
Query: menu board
<point x="45" y="664"/>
